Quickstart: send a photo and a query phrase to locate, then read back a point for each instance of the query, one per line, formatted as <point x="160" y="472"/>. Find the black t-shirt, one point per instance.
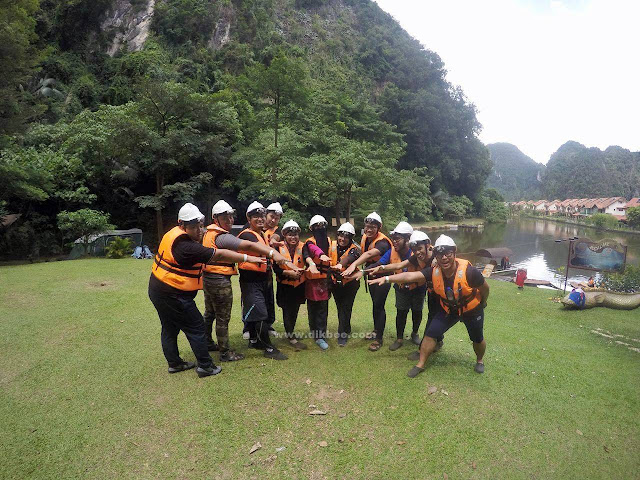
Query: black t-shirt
<point x="188" y="253"/>
<point x="252" y="275"/>
<point x="352" y="256"/>
<point x="474" y="279"/>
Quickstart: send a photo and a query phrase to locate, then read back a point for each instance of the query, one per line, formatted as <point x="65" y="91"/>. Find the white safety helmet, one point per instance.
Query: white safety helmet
<point x="291" y="225"/>
<point x="347" y="228"/>
<point x="418" y="237"/>
<point x="373" y="217"/>
<point x="253" y="207"/>
<point x="275" y="207"/>
<point x="221" y="207"/>
<point x="316" y="219"/>
<point x="189" y="212"/>
<point x="403" y="228"/>
<point x="444" y="243"/>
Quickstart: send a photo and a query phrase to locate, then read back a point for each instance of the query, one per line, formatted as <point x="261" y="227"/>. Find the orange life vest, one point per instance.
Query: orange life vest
<point x="372" y="244"/>
<point x="209" y="241"/>
<point x="297" y="260"/>
<point x="167" y="270"/>
<point x="465" y="297"/>
<point x="333" y="255"/>
<point x="256" y="267"/>
<point x="269" y="233"/>
<point x="322" y="266"/>
<point x="411" y="268"/>
<point x="395" y="258"/>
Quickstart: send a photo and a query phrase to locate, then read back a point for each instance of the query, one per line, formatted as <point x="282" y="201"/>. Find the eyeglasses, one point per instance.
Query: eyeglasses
<point x="319" y="225"/>
<point x="446" y="253"/>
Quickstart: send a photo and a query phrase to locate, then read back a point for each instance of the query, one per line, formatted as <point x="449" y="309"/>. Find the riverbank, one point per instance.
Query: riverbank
<point x="86" y="394"/>
<point x="581" y="224"/>
<point x="473" y="222"/>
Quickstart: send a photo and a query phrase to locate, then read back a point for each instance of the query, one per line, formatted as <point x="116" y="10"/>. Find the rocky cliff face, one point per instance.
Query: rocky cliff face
<point x="131" y="24"/>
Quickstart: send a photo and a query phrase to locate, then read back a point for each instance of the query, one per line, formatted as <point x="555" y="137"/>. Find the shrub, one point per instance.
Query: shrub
<point x="603" y="220"/>
<point x="629" y="281"/>
<point x="120" y="247"/>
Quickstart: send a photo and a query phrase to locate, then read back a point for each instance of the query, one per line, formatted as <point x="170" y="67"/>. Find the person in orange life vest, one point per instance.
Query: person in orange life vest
<point x="218" y="294"/>
<point x="176" y="277"/>
<point x="290" y="294"/>
<point x="343" y="253"/>
<point x="408" y="297"/>
<point x="256" y="287"/>
<point x="315" y="253"/>
<point x="463" y="294"/>
<point x="374" y="244"/>
<point x="273" y="233"/>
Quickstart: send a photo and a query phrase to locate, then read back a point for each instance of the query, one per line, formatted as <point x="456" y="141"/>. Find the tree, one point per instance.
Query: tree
<point x="83" y="223"/>
<point x="603" y="220"/>
<point x="633" y="217"/>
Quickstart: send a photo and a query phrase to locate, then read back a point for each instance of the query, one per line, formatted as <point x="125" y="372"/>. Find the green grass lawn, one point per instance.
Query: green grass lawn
<point x="85" y="392"/>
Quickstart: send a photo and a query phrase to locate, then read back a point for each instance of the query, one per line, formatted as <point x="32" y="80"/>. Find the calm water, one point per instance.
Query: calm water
<point x="533" y="245"/>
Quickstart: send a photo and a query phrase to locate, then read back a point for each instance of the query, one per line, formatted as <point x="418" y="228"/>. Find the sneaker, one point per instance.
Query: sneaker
<point x="275" y="354"/>
<point x="395" y="345"/>
<point x="414" y="372"/>
<point x="208" y="371"/>
<point x="342" y="341"/>
<point x="438" y="346"/>
<point x="479" y="368"/>
<point x="182" y="367"/>
<point x="231" y="356"/>
<point x="297" y="344"/>
<point x="246" y="335"/>
<point x="322" y="343"/>
<point x="415" y="338"/>
<point x="414" y="356"/>
<point x="253" y="344"/>
<point x="212" y="346"/>
<point x="272" y="332"/>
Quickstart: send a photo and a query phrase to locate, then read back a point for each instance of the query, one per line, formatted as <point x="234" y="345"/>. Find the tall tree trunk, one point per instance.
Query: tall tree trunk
<point x="159" y="188"/>
<point x="338" y="212"/>
<point x="348" y="205"/>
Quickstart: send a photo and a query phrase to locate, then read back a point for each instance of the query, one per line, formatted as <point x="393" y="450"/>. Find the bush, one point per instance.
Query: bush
<point x="629" y="281"/>
<point x="603" y="220"/>
<point x="633" y="217"/>
<point x="120" y="247"/>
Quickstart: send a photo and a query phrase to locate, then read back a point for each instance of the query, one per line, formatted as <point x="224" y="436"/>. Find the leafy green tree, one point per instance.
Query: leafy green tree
<point x="633" y="217"/>
<point x="603" y="220"/>
<point x="83" y="223"/>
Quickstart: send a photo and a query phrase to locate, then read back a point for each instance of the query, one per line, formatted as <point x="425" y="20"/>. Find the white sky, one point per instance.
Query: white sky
<point x="540" y="72"/>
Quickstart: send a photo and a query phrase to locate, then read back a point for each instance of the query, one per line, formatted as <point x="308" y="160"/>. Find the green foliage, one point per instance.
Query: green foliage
<point x="514" y="174"/>
<point x="633" y="217"/>
<point x="83" y="223"/>
<point x="181" y="21"/>
<point x="119" y="247"/>
<point x="491" y="207"/>
<point x="629" y="281"/>
<point x="602" y="220"/>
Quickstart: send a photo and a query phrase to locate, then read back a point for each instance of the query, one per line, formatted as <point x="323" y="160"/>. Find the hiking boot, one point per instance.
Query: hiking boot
<point x="342" y="341"/>
<point x="395" y="345"/>
<point x="275" y="354"/>
<point x="414" y="372"/>
<point x="208" y="371"/>
<point x="415" y="338"/>
<point x="322" y="343"/>
<point x="231" y="356"/>
<point x="212" y="346"/>
<point x="438" y="346"/>
<point x="297" y="344"/>
<point x="479" y="368"/>
<point x="182" y="367"/>
<point x="414" y="356"/>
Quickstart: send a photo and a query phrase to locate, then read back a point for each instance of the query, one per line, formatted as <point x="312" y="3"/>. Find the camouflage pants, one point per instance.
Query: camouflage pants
<point x="218" y="300"/>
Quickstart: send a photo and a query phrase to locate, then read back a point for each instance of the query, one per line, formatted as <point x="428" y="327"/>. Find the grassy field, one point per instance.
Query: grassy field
<point x="85" y="392"/>
<point x="443" y="223"/>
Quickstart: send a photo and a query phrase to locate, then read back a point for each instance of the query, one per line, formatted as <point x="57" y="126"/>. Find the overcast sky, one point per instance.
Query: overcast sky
<point x="539" y="72"/>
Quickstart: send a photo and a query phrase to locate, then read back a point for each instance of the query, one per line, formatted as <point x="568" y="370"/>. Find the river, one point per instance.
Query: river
<point x="534" y="247"/>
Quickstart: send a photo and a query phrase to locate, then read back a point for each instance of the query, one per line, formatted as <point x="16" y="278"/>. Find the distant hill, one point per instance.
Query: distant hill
<point x="575" y="171"/>
<point x="515" y="175"/>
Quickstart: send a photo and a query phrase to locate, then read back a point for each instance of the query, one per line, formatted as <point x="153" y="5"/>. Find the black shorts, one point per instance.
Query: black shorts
<point x="410" y="299"/>
<point x="257" y="302"/>
<point x="442" y="322"/>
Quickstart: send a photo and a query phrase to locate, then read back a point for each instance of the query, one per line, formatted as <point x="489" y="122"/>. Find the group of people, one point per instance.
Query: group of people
<point x="192" y="258"/>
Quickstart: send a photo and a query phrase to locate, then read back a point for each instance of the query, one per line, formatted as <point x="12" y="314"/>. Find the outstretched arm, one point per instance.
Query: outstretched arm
<point x="366" y="256"/>
<point x="406" y="277"/>
<point x="233" y="257"/>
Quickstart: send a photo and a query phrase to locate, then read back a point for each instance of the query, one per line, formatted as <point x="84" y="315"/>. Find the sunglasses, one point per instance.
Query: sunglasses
<point x="445" y="253"/>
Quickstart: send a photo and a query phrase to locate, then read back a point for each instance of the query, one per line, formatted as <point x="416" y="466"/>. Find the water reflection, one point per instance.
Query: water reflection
<point x="534" y="247"/>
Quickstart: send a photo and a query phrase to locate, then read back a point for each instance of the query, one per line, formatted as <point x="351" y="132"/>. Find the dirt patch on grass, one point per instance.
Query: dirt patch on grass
<point x="18" y="300"/>
<point x="102" y="285"/>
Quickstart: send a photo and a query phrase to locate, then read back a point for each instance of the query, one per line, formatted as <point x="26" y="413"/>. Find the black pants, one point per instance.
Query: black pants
<point x="290" y="298"/>
<point x="379" y="297"/>
<point x="401" y="321"/>
<point x="345" y="296"/>
<point x="318" y="312"/>
<point x="179" y="312"/>
<point x="257" y="302"/>
<point x="433" y="302"/>
<point x="259" y="334"/>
